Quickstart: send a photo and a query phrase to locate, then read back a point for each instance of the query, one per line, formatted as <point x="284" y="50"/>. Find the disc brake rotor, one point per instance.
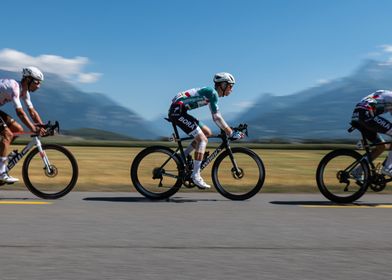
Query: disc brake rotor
<point x="52" y="172"/>
<point x="237" y="175"/>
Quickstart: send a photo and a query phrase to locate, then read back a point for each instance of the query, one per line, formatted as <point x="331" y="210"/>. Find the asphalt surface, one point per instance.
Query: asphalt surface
<point x="194" y="236"/>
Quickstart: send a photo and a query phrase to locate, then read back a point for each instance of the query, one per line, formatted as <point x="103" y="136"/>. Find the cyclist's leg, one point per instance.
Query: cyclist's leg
<point x="383" y="126"/>
<point x="375" y="125"/>
<point x="6" y="140"/>
<point x="192" y="146"/>
<point x="190" y="125"/>
<point x="371" y="126"/>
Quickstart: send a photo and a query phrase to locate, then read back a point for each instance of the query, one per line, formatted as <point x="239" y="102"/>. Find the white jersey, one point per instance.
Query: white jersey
<point x="10" y="91"/>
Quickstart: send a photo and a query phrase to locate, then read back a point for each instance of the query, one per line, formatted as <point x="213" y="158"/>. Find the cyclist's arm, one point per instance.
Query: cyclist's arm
<point x="216" y="115"/>
<point x="220" y="122"/>
<point x="25" y="119"/>
<point x="35" y="116"/>
<point x="33" y="113"/>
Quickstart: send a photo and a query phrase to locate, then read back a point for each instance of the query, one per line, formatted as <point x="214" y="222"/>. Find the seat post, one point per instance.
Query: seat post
<point x="176" y="135"/>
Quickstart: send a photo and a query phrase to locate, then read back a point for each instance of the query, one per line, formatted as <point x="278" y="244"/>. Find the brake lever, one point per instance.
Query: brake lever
<point x="56" y="127"/>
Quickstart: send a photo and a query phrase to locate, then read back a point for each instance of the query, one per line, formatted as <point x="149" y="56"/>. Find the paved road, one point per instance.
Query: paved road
<point x="194" y="236"/>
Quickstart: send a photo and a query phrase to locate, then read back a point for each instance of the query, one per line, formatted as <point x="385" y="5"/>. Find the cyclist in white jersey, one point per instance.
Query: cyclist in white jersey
<point x="13" y="91"/>
<point x="366" y="116"/>
<point x="195" y="98"/>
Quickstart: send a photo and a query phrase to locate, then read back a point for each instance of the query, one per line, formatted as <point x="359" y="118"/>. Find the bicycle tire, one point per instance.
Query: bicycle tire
<point x="57" y="184"/>
<point x="148" y="172"/>
<point x="250" y="165"/>
<point x="334" y="181"/>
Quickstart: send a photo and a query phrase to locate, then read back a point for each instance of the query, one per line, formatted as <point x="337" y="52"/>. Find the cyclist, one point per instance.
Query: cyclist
<point x="195" y="98"/>
<point x="13" y="91"/>
<point x="366" y="116"/>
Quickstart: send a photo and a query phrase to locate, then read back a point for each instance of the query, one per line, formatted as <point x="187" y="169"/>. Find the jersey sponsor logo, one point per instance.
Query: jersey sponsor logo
<point x="188" y="123"/>
<point x="383" y="123"/>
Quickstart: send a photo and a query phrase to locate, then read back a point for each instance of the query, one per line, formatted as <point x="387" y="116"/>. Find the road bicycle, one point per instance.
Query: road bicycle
<point x="49" y="171"/>
<point x="158" y="172"/>
<point x="344" y="175"/>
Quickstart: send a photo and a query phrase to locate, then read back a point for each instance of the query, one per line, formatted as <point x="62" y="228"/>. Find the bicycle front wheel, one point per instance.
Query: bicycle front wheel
<point x="238" y="175"/>
<point x="342" y="176"/>
<point x="155" y="172"/>
<point x="53" y="182"/>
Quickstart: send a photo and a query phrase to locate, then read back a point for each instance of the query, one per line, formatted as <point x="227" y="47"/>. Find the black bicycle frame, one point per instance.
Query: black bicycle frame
<point x="212" y="156"/>
<point x="367" y="146"/>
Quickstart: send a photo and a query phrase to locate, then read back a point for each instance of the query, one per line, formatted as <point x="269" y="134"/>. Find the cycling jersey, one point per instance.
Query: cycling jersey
<point x="10" y="91"/>
<point x="198" y="97"/>
<point x="366" y="115"/>
<point x="192" y="99"/>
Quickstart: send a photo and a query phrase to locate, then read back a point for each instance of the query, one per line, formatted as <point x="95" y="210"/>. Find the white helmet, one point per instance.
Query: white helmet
<point x="33" y="72"/>
<point x="224" y="77"/>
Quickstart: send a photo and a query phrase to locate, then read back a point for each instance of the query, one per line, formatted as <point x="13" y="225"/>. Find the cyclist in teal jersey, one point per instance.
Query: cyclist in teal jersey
<point x="195" y="98"/>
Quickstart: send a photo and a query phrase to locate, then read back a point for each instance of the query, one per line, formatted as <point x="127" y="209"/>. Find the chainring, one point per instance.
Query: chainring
<point x="378" y="183"/>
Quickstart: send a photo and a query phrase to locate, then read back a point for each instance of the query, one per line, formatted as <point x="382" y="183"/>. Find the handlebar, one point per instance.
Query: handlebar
<point x="243" y="127"/>
<point x="50" y="129"/>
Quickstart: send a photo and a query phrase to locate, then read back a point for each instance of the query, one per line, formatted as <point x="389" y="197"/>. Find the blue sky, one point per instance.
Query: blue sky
<point x="141" y="53"/>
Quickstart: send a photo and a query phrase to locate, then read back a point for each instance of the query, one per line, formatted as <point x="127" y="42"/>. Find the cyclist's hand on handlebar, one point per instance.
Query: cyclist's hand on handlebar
<point x="236" y="135"/>
<point x="40" y="131"/>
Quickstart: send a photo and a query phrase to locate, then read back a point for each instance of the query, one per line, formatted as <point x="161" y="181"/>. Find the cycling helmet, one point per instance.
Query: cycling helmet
<point x="224" y="77"/>
<point x="33" y="72"/>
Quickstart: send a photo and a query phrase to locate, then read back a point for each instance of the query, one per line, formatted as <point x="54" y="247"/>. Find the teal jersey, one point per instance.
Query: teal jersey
<point x="198" y="97"/>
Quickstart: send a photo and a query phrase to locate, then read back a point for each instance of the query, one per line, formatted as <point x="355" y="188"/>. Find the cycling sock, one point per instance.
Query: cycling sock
<point x="196" y="167"/>
<point x="2" y="164"/>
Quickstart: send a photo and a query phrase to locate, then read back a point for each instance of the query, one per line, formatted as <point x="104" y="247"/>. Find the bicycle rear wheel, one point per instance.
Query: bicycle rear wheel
<point x="155" y="172"/>
<point x="240" y="175"/>
<point x="342" y="176"/>
<point x="53" y="183"/>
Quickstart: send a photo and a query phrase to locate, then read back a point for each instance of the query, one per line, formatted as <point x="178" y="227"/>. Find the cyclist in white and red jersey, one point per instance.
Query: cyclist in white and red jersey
<point x="13" y="91"/>
<point x="366" y="116"/>
<point x="195" y="98"/>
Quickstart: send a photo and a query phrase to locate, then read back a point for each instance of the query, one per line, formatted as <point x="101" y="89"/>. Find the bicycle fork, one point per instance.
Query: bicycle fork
<point x="236" y="171"/>
<point x="49" y="169"/>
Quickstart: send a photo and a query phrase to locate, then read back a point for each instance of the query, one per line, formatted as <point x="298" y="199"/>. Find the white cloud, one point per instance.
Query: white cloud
<point x="387" y="51"/>
<point x="387" y="48"/>
<point x="244" y="104"/>
<point x="68" y="68"/>
<point x="322" y="81"/>
<point x="88" y="78"/>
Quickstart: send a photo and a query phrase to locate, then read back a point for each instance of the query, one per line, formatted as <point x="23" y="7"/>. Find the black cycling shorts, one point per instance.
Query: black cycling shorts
<point x="371" y="125"/>
<point x="4" y="120"/>
<point x="180" y="117"/>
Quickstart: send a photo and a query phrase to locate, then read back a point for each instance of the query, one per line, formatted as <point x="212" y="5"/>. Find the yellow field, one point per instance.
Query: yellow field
<point x="107" y="169"/>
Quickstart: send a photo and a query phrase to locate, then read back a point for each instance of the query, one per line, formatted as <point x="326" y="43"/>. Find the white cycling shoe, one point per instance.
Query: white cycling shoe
<point x="386" y="171"/>
<point x="199" y="182"/>
<point x="5" y="178"/>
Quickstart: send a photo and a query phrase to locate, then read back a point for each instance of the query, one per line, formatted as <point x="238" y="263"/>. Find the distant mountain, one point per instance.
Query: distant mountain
<point x="95" y="134"/>
<point x="75" y="109"/>
<point x="321" y="112"/>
